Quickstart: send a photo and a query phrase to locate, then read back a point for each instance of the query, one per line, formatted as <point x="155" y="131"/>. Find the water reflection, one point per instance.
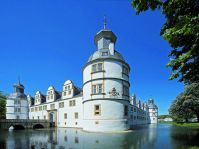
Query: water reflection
<point x="184" y="138"/>
<point x="144" y="137"/>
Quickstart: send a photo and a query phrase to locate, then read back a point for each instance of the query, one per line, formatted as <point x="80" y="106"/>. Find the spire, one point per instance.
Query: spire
<point x="105" y="22"/>
<point x="19" y="80"/>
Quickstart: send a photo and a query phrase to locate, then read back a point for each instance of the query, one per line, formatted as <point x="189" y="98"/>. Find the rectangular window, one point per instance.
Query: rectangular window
<point x="97" y="110"/>
<point x="40" y="108"/>
<point x="97" y="89"/>
<point x="45" y="107"/>
<point x="94" y="89"/>
<point x="36" y="108"/>
<point x="44" y="117"/>
<point x="125" y="70"/>
<point x="72" y="103"/>
<point x="52" y="106"/>
<point x="64" y="93"/>
<point x="76" y="115"/>
<point x="94" y="68"/>
<point x="61" y="104"/>
<point x="99" y="67"/>
<point x="125" y="110"/>
<point x="69" y="92"/>
<point x="125" y="90"/>
<point x="32" y="109"/>
<point x="51" y="97"/>
<point x="65" y="115"/>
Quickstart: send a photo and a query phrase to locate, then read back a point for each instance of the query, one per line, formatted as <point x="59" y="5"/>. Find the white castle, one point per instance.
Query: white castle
<point x="104" y="103"/>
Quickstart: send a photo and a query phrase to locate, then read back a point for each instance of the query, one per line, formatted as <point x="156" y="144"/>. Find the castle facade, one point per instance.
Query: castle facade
<point x="102" y="105"/>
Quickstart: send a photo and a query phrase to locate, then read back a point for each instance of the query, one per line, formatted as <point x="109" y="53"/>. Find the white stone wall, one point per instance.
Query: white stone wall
<point x="112" y="106"/>
<point x="153" y="113"/>
<point x="71" y="121"/>
<point x="111" y="118"/>
<point x="16" y="110"/>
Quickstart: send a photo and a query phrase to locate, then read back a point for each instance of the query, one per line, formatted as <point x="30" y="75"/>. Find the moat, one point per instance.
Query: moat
<point x="161" y="136"/>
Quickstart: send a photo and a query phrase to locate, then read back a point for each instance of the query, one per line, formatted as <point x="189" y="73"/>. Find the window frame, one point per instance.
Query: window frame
<point x="97" y="111"/>
<point x="97" y="89"/>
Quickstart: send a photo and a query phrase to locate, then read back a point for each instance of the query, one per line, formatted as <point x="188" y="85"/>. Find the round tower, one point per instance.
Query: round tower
<point x="106" y="87"/>
<point x="17" y="103"/>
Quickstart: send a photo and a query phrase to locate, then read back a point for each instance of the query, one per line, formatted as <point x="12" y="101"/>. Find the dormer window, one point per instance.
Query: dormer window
<point x="104" y="53"/>
<point x="97" y="67"/>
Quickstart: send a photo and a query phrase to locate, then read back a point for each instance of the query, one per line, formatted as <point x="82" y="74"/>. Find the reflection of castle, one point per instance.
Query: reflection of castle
<point x="67" y="138"/>
<point x="104" y="103"/>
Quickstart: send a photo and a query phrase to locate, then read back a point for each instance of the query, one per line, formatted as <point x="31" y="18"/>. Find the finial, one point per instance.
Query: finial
<point x="104" y="22"/>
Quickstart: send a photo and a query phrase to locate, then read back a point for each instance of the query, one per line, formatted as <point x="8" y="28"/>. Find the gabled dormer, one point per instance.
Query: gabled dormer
<point x="69" y="90"/>
<point x="52" y="95"/>
<point x="39" y="98"/>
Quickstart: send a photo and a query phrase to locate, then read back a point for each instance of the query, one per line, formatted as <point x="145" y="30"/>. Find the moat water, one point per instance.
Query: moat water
<point x="161" y="136"/>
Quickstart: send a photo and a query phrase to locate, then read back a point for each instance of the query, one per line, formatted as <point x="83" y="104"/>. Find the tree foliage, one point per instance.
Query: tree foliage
<point x="2" y="106"/>
<point x="181" y="30"/>
<point x="178" y="110"/>
<point x="192" y="98"/>
<point x="186" y="105"/>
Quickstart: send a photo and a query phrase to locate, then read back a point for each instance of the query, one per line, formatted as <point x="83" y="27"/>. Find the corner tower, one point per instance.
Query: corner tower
<point x="17" y="103"/>
<point x="153" y="111"/>
<point x="106" y="87"/>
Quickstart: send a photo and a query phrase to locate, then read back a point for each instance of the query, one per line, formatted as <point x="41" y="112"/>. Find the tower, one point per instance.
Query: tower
<point x="106" y="86"/>
<point x="17" y="103"/>
<point x="153" y="111"/>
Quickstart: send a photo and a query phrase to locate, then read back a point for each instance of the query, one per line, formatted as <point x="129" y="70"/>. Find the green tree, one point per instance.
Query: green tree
<point x="2" y="106"/>
<point x="181" y="30"/>
<point x="179" y="110"/>
<point x="192" y="98"/>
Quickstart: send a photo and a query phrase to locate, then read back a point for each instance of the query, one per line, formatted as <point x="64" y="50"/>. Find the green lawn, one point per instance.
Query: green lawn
<point x="188" y="125"/>
<point x="194" y="147"/>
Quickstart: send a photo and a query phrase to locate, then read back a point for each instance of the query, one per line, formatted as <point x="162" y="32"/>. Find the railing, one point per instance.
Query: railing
<point x="23" y="121"/>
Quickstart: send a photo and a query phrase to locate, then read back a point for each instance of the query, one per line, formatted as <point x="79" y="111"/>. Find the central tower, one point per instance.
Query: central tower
<point x="106" y="87"/>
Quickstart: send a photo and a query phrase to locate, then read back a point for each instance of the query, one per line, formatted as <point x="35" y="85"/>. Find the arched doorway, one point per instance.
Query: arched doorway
<point x="52" y="119"/>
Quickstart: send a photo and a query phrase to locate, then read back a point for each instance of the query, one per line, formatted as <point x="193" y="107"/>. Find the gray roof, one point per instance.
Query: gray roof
<point x="98" y="54"/>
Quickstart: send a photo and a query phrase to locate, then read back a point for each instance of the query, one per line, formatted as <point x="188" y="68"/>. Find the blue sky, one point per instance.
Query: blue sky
<point x="46" y="42"/>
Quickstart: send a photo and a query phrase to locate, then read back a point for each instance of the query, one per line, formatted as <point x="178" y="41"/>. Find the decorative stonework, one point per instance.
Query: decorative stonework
<point x="114" y="93"/>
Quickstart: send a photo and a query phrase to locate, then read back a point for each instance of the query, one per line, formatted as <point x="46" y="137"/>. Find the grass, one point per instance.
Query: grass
<point x="183" y="124"/>
<point x="194" y="147"/>
<point x="188" y="125"/>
